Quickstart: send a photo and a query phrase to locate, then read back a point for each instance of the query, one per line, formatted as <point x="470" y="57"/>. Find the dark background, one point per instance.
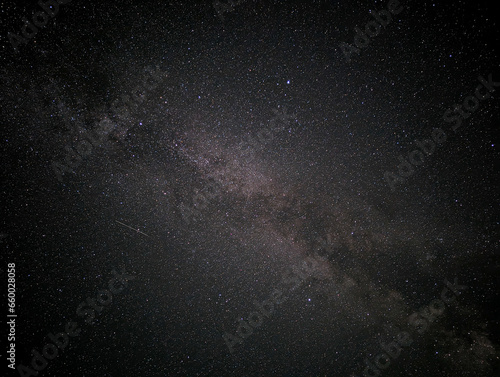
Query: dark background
<point x="321" y="174"/>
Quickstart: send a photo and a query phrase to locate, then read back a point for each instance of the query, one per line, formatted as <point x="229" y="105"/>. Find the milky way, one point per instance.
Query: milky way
<point x="232" y="161"/>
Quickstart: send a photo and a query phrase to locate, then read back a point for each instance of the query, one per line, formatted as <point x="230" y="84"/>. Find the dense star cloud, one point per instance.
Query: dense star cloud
<point x="250" y="188"/>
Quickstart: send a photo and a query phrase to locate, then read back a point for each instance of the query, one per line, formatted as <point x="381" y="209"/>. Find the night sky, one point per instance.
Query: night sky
<point x="268" y="188"/>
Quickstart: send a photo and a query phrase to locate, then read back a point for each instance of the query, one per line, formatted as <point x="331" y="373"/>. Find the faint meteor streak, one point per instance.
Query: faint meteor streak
<point x="137" y="230"/>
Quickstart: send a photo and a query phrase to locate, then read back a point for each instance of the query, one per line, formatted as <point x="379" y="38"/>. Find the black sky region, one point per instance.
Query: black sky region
<point x="222" y="156"/>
